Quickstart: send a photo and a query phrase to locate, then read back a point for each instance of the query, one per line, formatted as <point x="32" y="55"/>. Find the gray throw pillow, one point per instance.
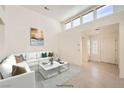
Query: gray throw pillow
<point x="1" y="76"/>
<point x="19" y="59"/>
<point x="17" y="70"/>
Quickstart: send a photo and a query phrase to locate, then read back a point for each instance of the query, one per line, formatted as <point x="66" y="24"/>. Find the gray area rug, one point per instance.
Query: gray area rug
<point x="57" y="80"/>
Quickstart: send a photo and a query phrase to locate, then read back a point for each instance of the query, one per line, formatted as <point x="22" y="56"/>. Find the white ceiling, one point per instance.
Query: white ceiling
<point x="59" y="12"/>
<point x="102" y="30"/>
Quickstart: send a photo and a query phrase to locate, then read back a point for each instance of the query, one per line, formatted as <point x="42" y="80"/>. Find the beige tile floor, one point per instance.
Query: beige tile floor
<point x="97" y="75"/>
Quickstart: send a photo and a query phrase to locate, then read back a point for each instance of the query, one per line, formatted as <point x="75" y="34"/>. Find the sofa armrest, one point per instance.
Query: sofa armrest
<point x="26" y="80"/>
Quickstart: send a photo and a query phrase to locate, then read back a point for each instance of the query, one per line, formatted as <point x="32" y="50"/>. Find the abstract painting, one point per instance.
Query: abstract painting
<point x="36" y="37"/>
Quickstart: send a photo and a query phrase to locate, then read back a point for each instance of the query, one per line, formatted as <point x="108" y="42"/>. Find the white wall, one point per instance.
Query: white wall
<point x="19" y="20"/>
<point x="112" y="19"/>
<point x="69" y="49"/>
<point x="84" y="49"/>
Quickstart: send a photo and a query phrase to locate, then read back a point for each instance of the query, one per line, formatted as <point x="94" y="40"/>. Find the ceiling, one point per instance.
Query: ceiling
<point x="59" y="12"/>
<point x="102" y="30"/>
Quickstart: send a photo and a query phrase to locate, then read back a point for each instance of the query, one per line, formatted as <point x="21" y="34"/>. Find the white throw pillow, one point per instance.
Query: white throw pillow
<point x="6" y="66"/>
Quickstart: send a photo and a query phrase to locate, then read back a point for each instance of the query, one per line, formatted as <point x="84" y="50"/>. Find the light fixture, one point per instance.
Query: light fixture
<point x="46" y="8"/>
<point x="96" y="31"/>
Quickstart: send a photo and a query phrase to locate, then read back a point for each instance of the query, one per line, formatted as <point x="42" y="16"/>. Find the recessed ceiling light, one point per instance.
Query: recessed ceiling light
<point x="97" y="29"/>
<point x="46" y="8"/>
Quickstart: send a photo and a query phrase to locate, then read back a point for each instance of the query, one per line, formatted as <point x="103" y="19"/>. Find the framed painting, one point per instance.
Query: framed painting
<point x="36" y="37"/>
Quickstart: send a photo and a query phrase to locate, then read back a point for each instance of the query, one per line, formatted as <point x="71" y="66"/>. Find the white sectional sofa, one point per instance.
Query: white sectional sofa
<point x="16" y="81"/>
<point x="31" y="64"/>
<point x="26" y="80"/>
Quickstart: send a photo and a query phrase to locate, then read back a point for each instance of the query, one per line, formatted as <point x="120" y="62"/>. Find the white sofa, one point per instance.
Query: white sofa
<point x="26" y="80"/>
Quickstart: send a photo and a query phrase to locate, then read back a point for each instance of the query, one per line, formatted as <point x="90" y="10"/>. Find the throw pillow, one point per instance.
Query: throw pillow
<point x="43" y="55"/>
<point x="1" y="76"/>
<point x="6" y="66"/>
<point x="51" y="54"/>
<point x="19" y="58"/>
<point x="17" y="70"/>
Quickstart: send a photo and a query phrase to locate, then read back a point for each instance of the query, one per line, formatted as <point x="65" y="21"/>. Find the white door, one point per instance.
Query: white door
<point x="84" y="50"/>
<point x="108" y="49"/>
<point x="94" y="48"/>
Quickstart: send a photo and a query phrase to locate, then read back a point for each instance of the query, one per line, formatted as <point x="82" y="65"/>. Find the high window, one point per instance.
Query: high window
<point x="76" y="22"/>
<point x="95" y="13"/>
<point x="68" y="25"/>
<point x="104" y="11"/>
<point x="88" y="17"/>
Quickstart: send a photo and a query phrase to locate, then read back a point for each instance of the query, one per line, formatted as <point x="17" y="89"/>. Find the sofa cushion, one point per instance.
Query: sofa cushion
<point x="31" y="55"/>
<point x="17" y="70"/>
<point x="39" y="55"/>
<point x="6" y="66"/>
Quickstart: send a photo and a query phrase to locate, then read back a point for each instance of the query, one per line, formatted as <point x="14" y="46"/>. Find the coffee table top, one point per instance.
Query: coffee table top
<point x="51" y="66"/>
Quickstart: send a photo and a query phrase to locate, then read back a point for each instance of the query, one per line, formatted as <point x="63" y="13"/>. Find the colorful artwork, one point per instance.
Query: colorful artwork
<point x="37" y="37"/>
